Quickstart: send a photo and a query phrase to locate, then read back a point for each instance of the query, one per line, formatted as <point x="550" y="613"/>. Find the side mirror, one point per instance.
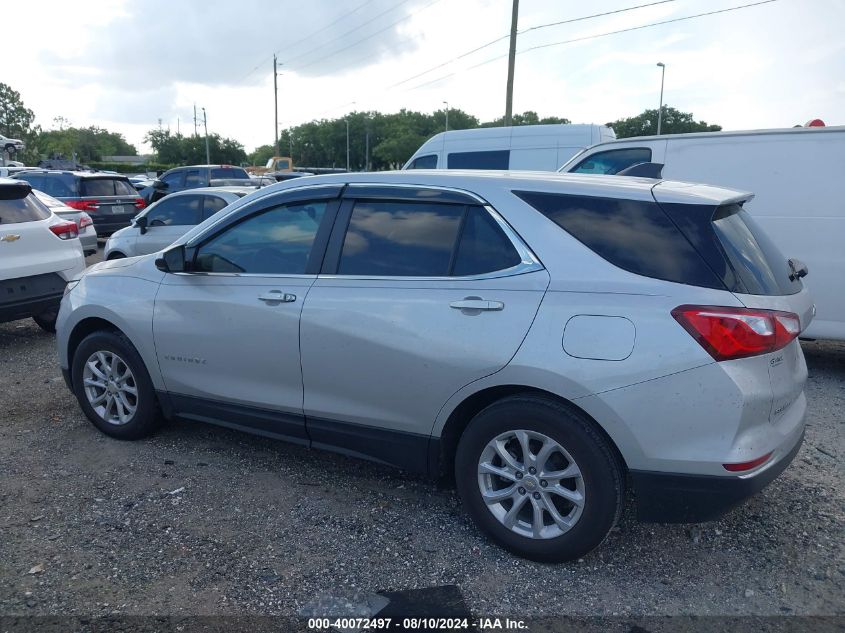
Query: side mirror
<point x="172" y="260"/>
<point x="141" y="223"/>
<point x="159" y="184"/>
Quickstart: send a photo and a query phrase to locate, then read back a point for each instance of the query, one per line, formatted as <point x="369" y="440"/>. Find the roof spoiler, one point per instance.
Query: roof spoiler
<point x="14" y="189"/>
<point x="643" y="170"/>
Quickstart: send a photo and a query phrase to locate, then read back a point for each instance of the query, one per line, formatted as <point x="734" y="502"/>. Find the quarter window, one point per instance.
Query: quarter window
<point x="274" y="242"/>
<point x="613" y="161"/>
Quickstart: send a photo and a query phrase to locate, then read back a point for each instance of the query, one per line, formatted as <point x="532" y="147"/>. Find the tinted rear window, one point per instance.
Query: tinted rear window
<point x="497" y="159"/>
<point x="106" y="187"/>
<point x="613" y="161"/>
<point x="429" y="161"/>
<point x="228" y="172"/>
<point x="22" y="210"/>
<point x="631" y="234"/>
<point x="483" y="246"/>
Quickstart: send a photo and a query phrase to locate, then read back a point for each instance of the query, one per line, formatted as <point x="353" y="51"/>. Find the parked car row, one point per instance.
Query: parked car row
<point x="518" y="332"/>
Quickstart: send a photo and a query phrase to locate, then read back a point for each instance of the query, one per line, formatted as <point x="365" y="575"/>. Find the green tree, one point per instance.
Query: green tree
<point x="16" y="121"/>
<point x="529" y="117"/>
<point x="674" y="122"/>
<point x="176" y="149"/>
<point x="87" y="144"/>
<point x="262" y="154"/>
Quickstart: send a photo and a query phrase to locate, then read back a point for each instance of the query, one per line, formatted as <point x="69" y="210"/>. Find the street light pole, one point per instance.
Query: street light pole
<point x="447" y="115"/>
<point x="511" y="62"/>
<point x="205" y="124"/>
<point x="347" y="143"/>
<point x="660" y="108"/>
<point x="276" y="102"/>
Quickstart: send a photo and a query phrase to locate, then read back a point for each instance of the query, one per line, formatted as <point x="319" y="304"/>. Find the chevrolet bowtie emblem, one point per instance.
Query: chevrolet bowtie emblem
<point x="10" y="238"/>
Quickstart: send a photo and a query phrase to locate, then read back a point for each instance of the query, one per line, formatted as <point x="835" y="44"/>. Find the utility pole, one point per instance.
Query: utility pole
<point x="347" y="143"/>
<point x="195" y="119"/>
<point x="660" y="107"/>
<point x="511" y="62"/>
<point x="447" y="115"/>
<point x="276" y="103"/>
<point x="177" y="126"/>
<point x="205" y="123"/>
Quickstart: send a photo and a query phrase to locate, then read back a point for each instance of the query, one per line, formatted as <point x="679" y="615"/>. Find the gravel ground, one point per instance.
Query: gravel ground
<point x="201" y="520"/>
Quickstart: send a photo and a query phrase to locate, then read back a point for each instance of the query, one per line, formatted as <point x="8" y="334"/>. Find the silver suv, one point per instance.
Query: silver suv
<point x="542" y="338"/>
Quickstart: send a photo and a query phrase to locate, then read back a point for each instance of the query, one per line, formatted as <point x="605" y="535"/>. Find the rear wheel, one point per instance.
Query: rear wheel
<point x="538" y="478"/>
<point x="113" y="387"/>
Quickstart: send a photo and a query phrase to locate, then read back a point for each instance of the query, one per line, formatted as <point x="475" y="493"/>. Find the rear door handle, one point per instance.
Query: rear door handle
<point x="475" y="303"/>
<point x="277" y="296"/>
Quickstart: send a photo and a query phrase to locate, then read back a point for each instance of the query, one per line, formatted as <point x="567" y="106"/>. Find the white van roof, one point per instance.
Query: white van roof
<point x="553" y="130"/>
<point x="725" y="133"/>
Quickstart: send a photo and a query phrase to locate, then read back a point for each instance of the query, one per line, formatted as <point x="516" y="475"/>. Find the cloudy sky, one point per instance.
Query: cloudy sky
<point x="124" y="65"/>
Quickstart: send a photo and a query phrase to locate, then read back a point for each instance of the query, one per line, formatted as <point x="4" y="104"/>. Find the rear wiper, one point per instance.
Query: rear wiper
<point x="797" y="269"/>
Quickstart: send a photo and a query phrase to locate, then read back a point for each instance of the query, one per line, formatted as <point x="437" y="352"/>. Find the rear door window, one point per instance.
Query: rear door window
<point x="612" y="161"/>
<point x="496" y="159"/>
<point x="228" y="172"/>
<point x="400" y="239"/>
<point x="211" y="205"/>
<point x="19" y="210"/>
<point x="176" y="211"/>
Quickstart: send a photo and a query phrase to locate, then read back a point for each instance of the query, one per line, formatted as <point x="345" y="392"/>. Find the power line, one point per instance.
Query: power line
<point x="339" y="37"/>
<point x="533" y="28"/>
<point x="591" y="37"/>
<point x="364" y="39"/>
<point x="309" y="36"/>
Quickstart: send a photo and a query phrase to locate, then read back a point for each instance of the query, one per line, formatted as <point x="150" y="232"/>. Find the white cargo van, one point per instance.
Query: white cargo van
<point x="797" y="176"/>
<point x="529" y="147"/>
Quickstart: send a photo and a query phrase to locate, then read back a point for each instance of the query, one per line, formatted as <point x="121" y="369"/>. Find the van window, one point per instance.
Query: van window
<point x="612" y="161"/>
<point x="496" y="159"/>
<point x="429" y="161"/>
<point x="635" y="235"/>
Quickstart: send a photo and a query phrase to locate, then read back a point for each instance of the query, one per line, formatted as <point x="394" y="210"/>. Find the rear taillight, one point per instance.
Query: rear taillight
<point x="65" y="230"/>
<point x="730" y="333"/>
<point x="83" y="205"/>
<point x="139" y="203"/>
<point x="85" y="221"/>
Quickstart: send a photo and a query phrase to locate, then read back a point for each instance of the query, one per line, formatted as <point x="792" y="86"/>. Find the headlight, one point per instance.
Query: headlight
<point x="70" y="286"/>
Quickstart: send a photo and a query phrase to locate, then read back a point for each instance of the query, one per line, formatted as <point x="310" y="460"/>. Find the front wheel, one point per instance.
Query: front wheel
<point x="537" y="477"/>
<point x="113" y="387"/>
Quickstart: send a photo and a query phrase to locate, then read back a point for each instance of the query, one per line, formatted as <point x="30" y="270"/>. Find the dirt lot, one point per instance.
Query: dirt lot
<point x="200" y="520"/>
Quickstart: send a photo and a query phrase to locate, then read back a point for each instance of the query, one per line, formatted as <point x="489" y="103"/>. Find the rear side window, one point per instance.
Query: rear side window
<point x="404" y="239"/>
<point x="497" y="159"/>
<point x="612" y="161"/>
<point x="22" y="210"/>
<point x="124" y="188"/>
<point x="428" y="161"/>
<point x="174" y="179"/>
<point x="228" y="172"/>
<point x="631" y="234"/>
<point x="483" y="246"/>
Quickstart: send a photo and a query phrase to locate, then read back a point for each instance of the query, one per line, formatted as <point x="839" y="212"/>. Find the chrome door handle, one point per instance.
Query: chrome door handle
<point x="476" y="303"/>
<point x="277" y="296"/>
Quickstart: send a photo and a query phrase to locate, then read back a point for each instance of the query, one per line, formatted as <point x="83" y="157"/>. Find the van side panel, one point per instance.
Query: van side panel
<point x="799" y="201"/>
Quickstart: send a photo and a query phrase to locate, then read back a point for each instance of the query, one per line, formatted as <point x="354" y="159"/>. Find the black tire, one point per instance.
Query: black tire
<point x="599" y="465"/>
<point x="116" y="255"/>
<point x="146" y="418"/>
<point x="47" y="320"/>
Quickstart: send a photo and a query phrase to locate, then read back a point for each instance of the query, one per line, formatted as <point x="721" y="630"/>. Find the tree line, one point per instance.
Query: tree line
<point x="376" y="140"/>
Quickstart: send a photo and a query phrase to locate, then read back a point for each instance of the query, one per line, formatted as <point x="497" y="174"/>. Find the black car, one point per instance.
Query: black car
<point x="193" y="176"/>
<point x="109" y="199"/>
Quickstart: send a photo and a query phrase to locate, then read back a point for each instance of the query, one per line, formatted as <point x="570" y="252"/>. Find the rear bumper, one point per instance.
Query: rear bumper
<point x="678" y="498"/>
<point x="30" y="296"/>
<point x="29" y="307"/>
<point x="108" y="224"/>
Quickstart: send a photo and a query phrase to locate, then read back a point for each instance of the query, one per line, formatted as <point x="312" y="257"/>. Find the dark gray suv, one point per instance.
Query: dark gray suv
<point x="109" y="199"/>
